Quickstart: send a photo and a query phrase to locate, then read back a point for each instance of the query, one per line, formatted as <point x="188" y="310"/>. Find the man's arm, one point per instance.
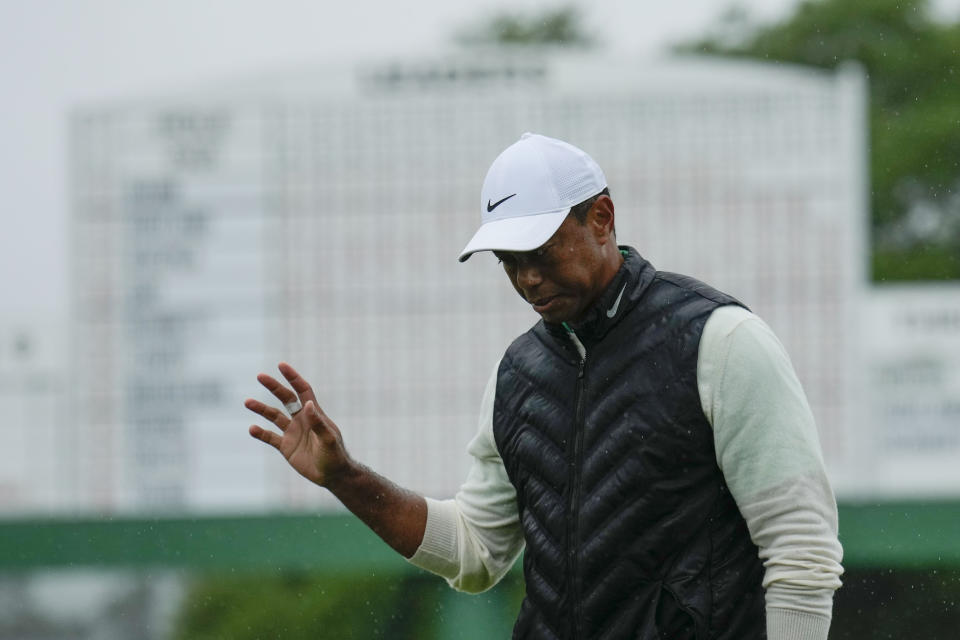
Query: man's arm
<point x="313" y="445"/>
<point x="769" y="452"/>
<point x="473" y="539"/>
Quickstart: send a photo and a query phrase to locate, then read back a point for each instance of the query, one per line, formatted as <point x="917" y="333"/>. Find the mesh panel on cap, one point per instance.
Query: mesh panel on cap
<point x="575" y="178"/>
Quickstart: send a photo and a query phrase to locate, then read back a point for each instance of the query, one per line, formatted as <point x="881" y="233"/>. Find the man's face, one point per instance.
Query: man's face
<point x="562" y="278"/>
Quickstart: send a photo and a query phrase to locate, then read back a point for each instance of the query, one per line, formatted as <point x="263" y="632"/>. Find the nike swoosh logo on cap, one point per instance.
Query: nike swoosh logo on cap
<point x="612" y="311"/>
<point x="491" y="207"/>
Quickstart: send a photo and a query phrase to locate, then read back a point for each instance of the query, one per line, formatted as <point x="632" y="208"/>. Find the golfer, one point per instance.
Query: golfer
<point x="647" y="442"/>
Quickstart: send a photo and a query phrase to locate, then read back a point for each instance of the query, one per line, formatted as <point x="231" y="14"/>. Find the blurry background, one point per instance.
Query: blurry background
<point x="194" y="193"/>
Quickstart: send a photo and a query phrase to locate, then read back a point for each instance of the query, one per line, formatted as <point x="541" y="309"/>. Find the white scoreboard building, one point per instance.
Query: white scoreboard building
<point x="317" y="218"/>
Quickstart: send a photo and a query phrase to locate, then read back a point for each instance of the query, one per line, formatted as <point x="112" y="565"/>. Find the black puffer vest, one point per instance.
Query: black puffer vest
<point x="630" y="530"/>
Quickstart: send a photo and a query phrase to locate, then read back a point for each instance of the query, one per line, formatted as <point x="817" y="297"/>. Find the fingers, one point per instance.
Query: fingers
<point x="263" y="435"/>
<point x="279" y="391"/>
<point x="301" y="386"/>
<point x="316" y="419"/>
<point x="275" y="416"/>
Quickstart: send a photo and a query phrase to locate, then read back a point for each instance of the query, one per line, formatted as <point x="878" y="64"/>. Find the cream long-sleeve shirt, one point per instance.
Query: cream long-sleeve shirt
<point x="767" y="448"/>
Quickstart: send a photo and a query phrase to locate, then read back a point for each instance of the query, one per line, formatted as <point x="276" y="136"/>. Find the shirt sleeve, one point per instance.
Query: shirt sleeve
<point x="769" y="452"/>
<point x="473" y="539"/>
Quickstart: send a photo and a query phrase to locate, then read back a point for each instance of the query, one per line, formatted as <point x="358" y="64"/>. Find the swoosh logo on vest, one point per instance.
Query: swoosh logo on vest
<point x="612" y="311"/>
<point x="491" y="207"/>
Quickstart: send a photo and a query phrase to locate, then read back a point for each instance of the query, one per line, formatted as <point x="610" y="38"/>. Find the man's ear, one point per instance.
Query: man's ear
<point x="601" y="218"/>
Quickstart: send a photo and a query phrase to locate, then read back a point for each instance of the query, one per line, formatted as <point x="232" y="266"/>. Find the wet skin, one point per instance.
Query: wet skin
<point x="563" y="278"/>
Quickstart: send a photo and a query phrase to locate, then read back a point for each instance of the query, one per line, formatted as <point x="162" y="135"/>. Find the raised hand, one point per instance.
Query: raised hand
<point x="312" y="444"/>
<point x="309" y="440"/>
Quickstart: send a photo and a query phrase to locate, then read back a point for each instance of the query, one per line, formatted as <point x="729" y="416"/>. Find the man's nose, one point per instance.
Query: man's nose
<point x="528" y="277"/>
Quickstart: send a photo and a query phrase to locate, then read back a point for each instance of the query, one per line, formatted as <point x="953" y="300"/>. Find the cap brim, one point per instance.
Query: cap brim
<point x="523" y="233"/>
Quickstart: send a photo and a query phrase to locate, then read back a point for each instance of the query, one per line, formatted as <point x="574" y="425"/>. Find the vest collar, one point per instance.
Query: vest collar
<point x="621" y="295"/>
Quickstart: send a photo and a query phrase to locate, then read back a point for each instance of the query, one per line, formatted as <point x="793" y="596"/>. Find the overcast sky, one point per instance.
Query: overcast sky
<point x="60" y="53"/>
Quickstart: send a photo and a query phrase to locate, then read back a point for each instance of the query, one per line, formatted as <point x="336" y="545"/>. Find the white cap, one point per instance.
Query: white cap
<point x="529" y="191"/>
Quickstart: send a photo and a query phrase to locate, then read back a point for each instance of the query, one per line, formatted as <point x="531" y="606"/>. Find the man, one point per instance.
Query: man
<point x="647" y="442"/>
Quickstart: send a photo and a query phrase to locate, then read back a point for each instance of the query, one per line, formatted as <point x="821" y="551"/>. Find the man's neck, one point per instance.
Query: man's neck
<point x="611" y="268"/>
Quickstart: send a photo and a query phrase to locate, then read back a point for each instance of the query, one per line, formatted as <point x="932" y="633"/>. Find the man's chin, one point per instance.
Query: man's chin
<point x="555" y="316"/>
<point x="557" y="310"/>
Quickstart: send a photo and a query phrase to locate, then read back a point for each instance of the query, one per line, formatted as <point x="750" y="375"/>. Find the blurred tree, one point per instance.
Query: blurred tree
<point x="557" y="26"/>
<point x="913" y="65"/>
<point x="301" y="605"/>
<point x="294" y="605"/>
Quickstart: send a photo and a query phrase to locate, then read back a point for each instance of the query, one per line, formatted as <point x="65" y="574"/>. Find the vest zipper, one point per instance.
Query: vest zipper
<point x="574" y="506"/>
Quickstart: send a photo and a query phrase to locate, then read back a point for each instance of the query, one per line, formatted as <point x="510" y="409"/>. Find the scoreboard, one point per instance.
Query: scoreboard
<point x="317" y="219"/>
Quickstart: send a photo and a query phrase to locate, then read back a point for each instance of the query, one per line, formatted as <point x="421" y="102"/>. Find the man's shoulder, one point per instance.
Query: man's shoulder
<point x="679" y="281"/>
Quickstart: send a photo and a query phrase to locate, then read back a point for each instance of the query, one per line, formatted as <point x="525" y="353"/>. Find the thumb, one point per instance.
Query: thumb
<point x="320" y="424"/>
<point x="314" y="416"/>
